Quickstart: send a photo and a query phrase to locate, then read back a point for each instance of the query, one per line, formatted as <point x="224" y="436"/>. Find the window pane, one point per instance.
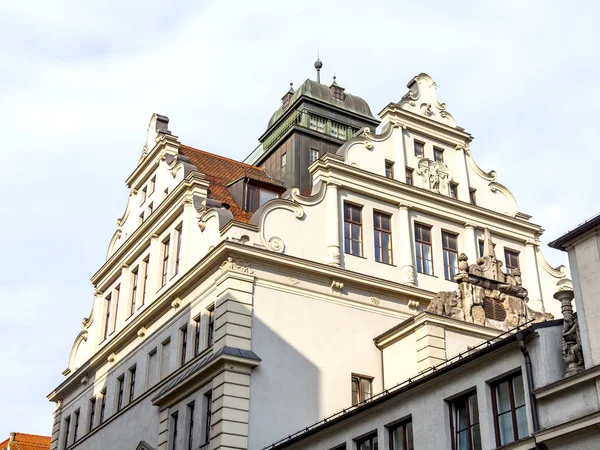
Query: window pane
<point x="522" y="422"/>
<point x="502" y="397"/>
<point x="506" y="428"/>
<point x="461" y="417"/>
<point x="518" y="391"/>
<point x="346" y="211"/>
<point x="398" y="438"/>
<point x="366" y="389"/>
<point x="409" y="436"/>
<point x="427" y="251"/>
<point x="355" y="399"/>
<point x="355" y="232"/>
<point x="473" y="409"/>
<point x="476" y="437"/>
<point x="356" y="248"/>
<point x="462" y="440"/>
<point x="385" y="222"/>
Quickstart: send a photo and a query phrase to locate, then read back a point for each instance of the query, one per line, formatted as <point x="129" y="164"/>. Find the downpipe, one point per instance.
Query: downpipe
<point x="529" y="376"/>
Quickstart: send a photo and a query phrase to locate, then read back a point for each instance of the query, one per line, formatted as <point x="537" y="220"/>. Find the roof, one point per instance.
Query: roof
<point x="562" y="242"/>
<point x="322" y="92"/>
<point x="24" y="441"/>
<point x="220" y="172"/>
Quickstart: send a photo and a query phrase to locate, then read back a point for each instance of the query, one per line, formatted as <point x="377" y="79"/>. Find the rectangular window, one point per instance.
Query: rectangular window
<point x="338" y="93"/>
<point x="312" y="122"/>
<point x="152" y="369"/>
<point x="283" y="159"/>
<point x="409" y="176"/>
<point x="150" y="208"/>
<point x="67" y="430"/>
<point x="164" y="358"/>
<point x="174" y="425"/>
<point x="389" y="169"/>
<point x="450" y="247"/>
<point x="362" y="389"/>
<point x="102" y="404"/>
<point x="92" y="413"/>
<point x="438" y="154"/>
<point x="472" y="198"/>
<point x="134" y="287"/>
<point x="145" y="287"/>
<point x="165" y="262"/>
<point x="368" y="443"/>
<point x="352" y="229"/>
<point x="178" y="236"/>
<point x="334" y="129"/>
<point x="423" y="248"/>
<point x="76" y="425"/>
<point x="508" y="401"/>
<point x="120" y="392"/>
<point x="321" y="124"/>
<point x="107" y="305"/>
<point x="196" y="335"/>
<point x="382" y="225"/>
<point x="190" y="430"/>
<point x="210" y="312"/>
<point x="453" y="190"/>
<point x="314" y="155"/>
<point x="143" y="195"/>
<point x="208" y="409"/>
<point x="132" y="373"/>
<point x="512" y="259"/>
<point x="342" y="132"/>
<point x="152" y="185"/>
<point x="419" y="149"/>
<point x="257" y="197"/>
<point x="183" y="349"/>
<point x="141" y="218"/>
<point x="401" y="436"/>
<point x="116" y="295"/>
<point x="464" y="423"/>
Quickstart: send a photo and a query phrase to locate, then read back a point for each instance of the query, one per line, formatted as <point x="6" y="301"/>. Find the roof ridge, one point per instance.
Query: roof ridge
<point x="224" y="157"/>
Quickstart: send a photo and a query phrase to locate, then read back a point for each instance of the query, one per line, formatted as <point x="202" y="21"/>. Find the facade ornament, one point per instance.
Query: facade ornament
<point x="374" y="300"/>
<point x="368" y="145"/>
<point x="293" y="281"/>
<point x="142" y="332"/>
<point x="435" y="175"/>
<point x="413" y="304"/>
<point x="408" y="274"/>
<point x="84" y="380"/>
<point x="236" y="265"/>
<point x="571" y="339"/>
<point x="336" y="287"/>
<point x="176" y="303"/>
<point x="463" y="264"/>
<point x="111" y="358"/>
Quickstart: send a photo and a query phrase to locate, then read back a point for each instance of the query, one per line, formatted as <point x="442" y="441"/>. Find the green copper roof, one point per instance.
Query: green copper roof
<point x="322" y="92"/>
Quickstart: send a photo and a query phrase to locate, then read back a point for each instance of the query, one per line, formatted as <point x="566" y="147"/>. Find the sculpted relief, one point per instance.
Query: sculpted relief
<point x="434" y="175"/>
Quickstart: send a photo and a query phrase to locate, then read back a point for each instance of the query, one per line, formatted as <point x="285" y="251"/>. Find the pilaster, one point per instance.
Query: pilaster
<point x="431" y="346"/>
<point x="122" y="308"/>
<point x="470" y="243"/>
<point x="56" y="418"/>
<point x="153" y="269"/>
<point x="333" y="225"/>
<point x="406" y="253"/>
<point x="532" y="278"/>
<point x="400" y="150"/>
<point x="163" y="430"/>
<point x="463" y="173"/>
<point x="189" y="221"/>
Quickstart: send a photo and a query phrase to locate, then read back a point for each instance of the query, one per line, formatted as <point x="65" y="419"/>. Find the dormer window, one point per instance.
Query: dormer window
<point x="338" y="93"/>
<point x="258" y="196"/>
<point x="285" y="100"/>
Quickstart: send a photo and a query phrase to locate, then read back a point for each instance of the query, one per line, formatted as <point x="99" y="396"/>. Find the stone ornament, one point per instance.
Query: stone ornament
<point x="571" y="339"/>
<point x="236" y="265"/>
<point x="336" y="287"/>
<point x="435" y="175"/>
<point x="374" y="300"/>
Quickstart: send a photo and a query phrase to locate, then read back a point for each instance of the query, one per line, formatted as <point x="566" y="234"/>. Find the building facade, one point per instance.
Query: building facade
<point x="233" y="309"/>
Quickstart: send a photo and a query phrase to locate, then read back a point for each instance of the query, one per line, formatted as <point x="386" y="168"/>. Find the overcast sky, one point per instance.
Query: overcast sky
<point x="79" y="83"/>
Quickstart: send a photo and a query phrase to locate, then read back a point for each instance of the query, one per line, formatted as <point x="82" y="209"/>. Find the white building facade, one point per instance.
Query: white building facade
<point x="230" y="313"/>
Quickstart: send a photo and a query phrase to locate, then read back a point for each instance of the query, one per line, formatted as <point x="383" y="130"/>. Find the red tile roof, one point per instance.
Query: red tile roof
<point x="27" y="442"/>
<point x="221" y="171"/>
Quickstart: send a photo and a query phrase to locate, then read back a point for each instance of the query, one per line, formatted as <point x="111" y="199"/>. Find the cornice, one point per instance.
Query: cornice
<point x="567" y="383"/>
<point x="150" y="161"/>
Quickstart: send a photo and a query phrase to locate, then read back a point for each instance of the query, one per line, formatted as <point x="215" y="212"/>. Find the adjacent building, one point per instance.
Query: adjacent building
<point x="239" y="302"/>
<point x="23" y="441"/>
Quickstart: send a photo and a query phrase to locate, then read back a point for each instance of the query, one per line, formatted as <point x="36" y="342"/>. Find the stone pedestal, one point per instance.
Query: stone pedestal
<point x="571" y="340"/>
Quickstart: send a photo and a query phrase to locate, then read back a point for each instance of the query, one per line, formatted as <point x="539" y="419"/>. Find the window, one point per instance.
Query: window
<point x="382" y="225"/>
<point x="196" y="335"/>
<point x="150" y="208"/>
<point x="164" y="358"/>
<point x="143" y="195"/>
<point x="102" y="404"/>
<point x="464" y="423"/>
<point x="92" y="413"/>
<point x="174" y="420"/>
<point x="76" y="425"/>
<point x="314" y="155"/>
<point x="312" y="122"/>
<point x="178" y="236"/>
<point x="190" y="430"/>
<point x="367" y="443"/>
<point x="145" y="287"/>
<point x="472" y="196"/>
<point x="134" y="285"/>
<point x="342" y="132"/>
<point x="165" y="262"/>
<point x="419" y="149"/>
<point x="107" y="316"/>
<point x="210" y="312"/>
<point x="152" y="185"/>
<point x="508" y="401"/>
<point x="450" y="247"/>
<point x="362" y="389"/>
<point x="141" y="218"/>
<point x="116" y="294"/>
<point x="334" y="129"/>
<point x="183" y="349"/>
<point x="409" y="176"/>
<point x="257" y="197"/>
<point x="438" y="154"/>
<point x="401" y="436"/>
<point x="338" y="93"/>
<point x="132" y="372"/>
<point x="389" y="169"/>
<point x="352" y="229"/>
<point x="120" y="391"/>
<point x="67" y="429"/>
<point x="453" y="190"/>
<point x="512" y="259"/>
<point x="208" y="408"/>
<point x="285" y="100"/>
<point x="152" y="369"/>
<point x="321" y="124"/>
<point x="423" y="247"/>
<point x="283" y="159"/>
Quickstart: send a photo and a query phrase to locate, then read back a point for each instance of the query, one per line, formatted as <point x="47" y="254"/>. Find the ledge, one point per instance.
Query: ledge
<point x="567" y="383"/>
<point x="571" y="426"/>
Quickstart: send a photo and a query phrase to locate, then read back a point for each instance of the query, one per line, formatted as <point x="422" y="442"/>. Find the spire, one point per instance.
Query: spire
<point x="318" y="66"/>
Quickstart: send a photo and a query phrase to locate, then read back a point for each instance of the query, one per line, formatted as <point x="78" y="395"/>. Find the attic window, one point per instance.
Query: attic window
<point x="258" y="196"/>
<point x="285" y="100"/>
<point x="338" y="93"/>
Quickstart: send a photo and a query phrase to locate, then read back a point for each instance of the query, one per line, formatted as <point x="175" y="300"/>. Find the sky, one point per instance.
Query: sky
<point x="79" y="82"/>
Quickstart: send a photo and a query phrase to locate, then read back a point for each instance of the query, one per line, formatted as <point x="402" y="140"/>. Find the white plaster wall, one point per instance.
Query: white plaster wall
<point x="400" y="361"/>
<point x="309" y="348"/>
<point x="458" y="342"/>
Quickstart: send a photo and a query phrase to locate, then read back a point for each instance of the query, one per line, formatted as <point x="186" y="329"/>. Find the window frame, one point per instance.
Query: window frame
<point x="174" y="424"/>
<point x="389" y="169"/>
<point x="151" y="185"/>
<point x="183" y="333"/>
<point x="178" y="238"/>
<point x="409" y="176"/>
<point x="513" y="409"/>
<point x="92" y="414"/>
<point x="360" y="378"/>
<point x="67" y="425"/>
<point x="438" y="151"/>
<point x="190" y="424"/>
<point x="107" y="314"/>
<point x="283" y="159"/>
<point x="146" y="262"/>
<point x="102" y="406"/>
<point x="120" y="392"/>
<point x="377" y="237"/>
<point x="453" y="190"/>
<point x="420" y="242"/>
<point x="510" y="252"/>
<point x="210" y="330"/>
<point x="453" y="413"/>
<point x="166" y="249"/>
<point x="207" y="416"/>
<point x="352" y="223"/>
<point x="197" y="336"/>
<point x="76" y="416"/>
<point x="132" y="379"/>
<point x="134" y="289"/>
<point x="372" y="438"/>
<point x="473" y="196"/>
<point x="312" y="154"/>
<point x="446" y="250"/>
<point x="416" y="144"/>
<point x="407" y="438"/>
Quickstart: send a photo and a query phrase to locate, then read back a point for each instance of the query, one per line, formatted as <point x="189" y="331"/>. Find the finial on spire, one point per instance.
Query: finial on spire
<point x="318" y="66"/>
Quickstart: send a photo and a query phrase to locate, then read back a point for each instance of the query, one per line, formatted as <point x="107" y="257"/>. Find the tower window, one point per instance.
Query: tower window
<point x="409" y="176"/>
<point x="338" y="93"/>
<point x="314" y="155"/>
<point x="285" y="100"/>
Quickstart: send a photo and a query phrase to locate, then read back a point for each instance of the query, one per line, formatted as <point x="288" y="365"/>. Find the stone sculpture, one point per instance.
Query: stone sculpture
<point x="571" y="340"/>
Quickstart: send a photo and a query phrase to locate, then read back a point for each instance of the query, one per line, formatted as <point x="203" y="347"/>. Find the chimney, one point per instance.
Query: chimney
<point x="12" y="436"/>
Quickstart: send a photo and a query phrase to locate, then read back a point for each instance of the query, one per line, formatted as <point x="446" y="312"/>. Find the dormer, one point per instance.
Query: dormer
<point x="337" y="92"/>
<point x="287" y="98"/>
